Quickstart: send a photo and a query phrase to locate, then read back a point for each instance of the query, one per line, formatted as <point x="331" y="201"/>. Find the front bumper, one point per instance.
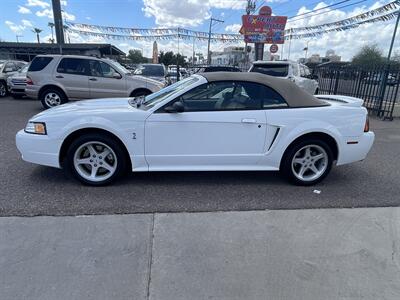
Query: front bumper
<point x="355" y="152"/>
<point x="38" y="149"/>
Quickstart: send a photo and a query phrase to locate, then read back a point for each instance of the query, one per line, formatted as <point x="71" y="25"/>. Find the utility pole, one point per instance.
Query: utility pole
<point x="194" y="54"/>
<point x="394" y="36"/>
<point x="387" y="70"/>
<point x="209" y="38"/>
<point x="250" y="8"/>
<point x="18" y="36"/>
<point x="58" y="22"/>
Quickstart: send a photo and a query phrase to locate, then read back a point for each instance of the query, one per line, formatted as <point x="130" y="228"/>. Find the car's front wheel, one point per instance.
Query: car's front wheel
<point x="95" y="159"/>
<point x="307" y="162"/>
<point x="3" y="89"/>
<point x="52" y="97"/>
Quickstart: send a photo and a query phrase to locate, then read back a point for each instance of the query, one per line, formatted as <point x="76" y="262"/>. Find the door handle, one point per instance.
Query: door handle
<point x="249" y="121"/>
<point x="92" y="79"/>
<point x="59" y="76"/>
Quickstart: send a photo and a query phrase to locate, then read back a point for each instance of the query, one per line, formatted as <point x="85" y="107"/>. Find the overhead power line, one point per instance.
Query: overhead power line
<point x="325" y="12"/>
<point x="318" y="9"/>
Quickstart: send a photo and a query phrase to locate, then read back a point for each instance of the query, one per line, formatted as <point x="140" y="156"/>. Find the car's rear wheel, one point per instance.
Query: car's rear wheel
<point x="3" y="89"/>
<point x="95" y="159"/>
<point x="52" y="97"/>
<point x="307" y="162"/>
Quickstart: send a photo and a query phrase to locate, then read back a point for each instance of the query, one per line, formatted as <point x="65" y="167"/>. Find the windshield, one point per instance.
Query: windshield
<point x="150" y="70"/>
<point x="119" y="66"/>
<point x="155" y="98"/>
<point x="277" y="70"/>
<point x="24" y="69"/>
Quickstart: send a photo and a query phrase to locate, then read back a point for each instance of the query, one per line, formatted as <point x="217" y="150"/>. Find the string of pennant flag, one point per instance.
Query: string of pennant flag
<point x="390" y="7"/>
<point x="383" y="18"/>
<point x="384" y="13"/>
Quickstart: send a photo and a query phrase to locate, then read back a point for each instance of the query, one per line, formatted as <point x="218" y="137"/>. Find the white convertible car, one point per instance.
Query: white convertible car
<point x="207" y="122"/>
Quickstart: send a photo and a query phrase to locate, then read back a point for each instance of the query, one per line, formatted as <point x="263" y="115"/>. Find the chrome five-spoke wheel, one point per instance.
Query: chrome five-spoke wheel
<point x="310" y="163"/>
<point x="95" y="161"/>
<point x="52" y="99"/>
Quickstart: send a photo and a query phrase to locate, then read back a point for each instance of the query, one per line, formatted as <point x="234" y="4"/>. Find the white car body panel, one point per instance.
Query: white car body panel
<point x="188" y="141"/>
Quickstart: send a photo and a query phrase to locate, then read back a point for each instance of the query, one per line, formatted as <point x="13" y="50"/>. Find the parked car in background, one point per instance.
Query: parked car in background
<point x="378" y="78"/>
<point x="173" y="76"/>
<point x="7" y="69"/>
<point x="207" y="69"/>
<point x="293" y="71"/>
<point x="210" y="122"/>
<point x="16" y="83"/>
<point x="154" y="71"/>
<point x="56" y="79"/>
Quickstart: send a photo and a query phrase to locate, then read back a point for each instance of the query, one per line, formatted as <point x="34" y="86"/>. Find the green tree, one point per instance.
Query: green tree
<point x="136" y="57"/>
<point x="37" y="31"/>
<point x="169" y="58"/>
<point x="369" y="55"/>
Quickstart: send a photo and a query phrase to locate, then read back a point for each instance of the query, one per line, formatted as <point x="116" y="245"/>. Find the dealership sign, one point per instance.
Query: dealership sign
<point x="264" y="28"/>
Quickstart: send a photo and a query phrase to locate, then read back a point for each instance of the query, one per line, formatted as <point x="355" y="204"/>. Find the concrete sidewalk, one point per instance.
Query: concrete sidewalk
<point x="301" y="254"/>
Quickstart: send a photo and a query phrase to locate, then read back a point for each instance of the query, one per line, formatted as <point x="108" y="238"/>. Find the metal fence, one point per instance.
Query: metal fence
<point x="378" y="86"/>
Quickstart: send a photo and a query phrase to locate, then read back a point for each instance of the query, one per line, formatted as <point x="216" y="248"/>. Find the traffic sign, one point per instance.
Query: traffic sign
<point x="274" y="48"/>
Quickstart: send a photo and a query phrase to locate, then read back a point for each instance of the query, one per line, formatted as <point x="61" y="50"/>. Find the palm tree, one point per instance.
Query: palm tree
<point x="51" y="25"/>
<point x="37" y="31"/>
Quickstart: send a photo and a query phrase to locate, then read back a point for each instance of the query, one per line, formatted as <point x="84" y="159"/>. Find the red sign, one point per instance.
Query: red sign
<point x="264" y="28"/>
<point x="274" y="48"/>
<point x="265" y="11"/>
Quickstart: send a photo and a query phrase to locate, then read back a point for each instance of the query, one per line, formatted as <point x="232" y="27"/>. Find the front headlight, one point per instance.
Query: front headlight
<point x="36" y="128"/>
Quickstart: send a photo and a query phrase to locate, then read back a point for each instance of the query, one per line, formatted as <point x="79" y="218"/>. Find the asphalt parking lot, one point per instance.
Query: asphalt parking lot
<point x="29" y="190"/>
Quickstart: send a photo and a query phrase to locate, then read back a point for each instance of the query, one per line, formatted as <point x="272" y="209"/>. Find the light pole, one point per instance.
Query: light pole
<point x="209" y="38"/>
<point x="394" y="36"/>
<point x="18" y="36"/>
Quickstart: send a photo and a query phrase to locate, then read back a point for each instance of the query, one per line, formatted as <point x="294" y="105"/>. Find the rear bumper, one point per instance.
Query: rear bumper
<point x="355" y="152"/>
<point x="17" y="90"/>
<point x="32" y="91"/>
<point x="38" y="149"/>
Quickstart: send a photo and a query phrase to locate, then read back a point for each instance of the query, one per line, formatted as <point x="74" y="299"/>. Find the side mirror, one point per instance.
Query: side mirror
<point x="117" y="76"/>
<point x="177" y="107"/>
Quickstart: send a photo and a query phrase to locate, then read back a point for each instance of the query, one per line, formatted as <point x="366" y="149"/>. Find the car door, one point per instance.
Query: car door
<point x="222" y="127"/>
<point x="72" y="75"/>
<point x="105" y="81"/>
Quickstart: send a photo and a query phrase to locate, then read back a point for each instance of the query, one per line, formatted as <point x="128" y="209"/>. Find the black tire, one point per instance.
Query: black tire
<point x="122" y="161"/>
<point x="3" y="89"/>
<point x="56" y="93"/>
<point x="286" y="164"/>
<point x="140" y="92"/>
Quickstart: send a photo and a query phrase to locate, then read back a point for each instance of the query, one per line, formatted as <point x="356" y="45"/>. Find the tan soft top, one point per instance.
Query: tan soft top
<point x="293" y="94"/>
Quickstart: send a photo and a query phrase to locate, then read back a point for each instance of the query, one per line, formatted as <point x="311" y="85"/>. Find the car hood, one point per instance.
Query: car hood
<point x="90" y="107"/>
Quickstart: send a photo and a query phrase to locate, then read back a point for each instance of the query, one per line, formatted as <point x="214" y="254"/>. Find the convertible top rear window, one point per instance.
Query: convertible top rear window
<point x="277" y="70"/>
